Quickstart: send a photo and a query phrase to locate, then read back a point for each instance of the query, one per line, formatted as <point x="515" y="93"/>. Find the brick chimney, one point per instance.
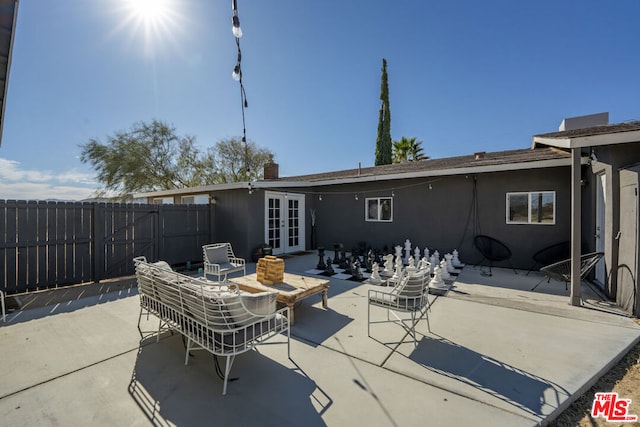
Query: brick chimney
<point x="271" y="170"/>
<point x="480" y="155"/>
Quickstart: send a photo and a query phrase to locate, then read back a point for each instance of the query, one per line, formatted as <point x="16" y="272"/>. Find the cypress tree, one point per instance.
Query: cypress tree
<point x="383" y="141"/>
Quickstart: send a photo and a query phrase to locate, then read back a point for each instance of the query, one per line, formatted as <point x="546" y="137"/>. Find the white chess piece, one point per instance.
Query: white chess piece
<point x="375" y="274"/>
<point x="397" y="274"/>
<point x="424" y="264"/>
<point x="433" y="261"/>
<point x="436" y="281"/>
<point x="407" y="250"/>
<point x="398" y="249"/>
<point x="412" y="262"/>
<point x="450" y="268"/>
<point x="416" y="254"/>
<point x="437" y="255"/>
<point x="388" y="264"/>
<point x="444" y="271"/>
<point x="427" y="255"/>
<point x="456" y="260"/>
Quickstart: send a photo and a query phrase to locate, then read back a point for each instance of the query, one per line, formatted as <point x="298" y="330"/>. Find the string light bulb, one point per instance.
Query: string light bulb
<point x="235" y="21"/>
<point x="237" y="72"/>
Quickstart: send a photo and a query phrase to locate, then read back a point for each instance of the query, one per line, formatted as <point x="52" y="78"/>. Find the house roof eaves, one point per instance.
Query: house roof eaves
<point x="588" y="141"/>
<point x="419" y="174"/>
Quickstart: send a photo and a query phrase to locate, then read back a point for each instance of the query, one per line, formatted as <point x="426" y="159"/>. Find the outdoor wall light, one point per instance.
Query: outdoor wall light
<point x="356" y="197"/>
<point x="430" y="187"/>
<point x="393" y="194"/>
<point x="320" y="197"/>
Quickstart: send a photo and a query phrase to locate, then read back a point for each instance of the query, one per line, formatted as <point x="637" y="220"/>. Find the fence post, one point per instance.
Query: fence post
<point x="97" y="242"/>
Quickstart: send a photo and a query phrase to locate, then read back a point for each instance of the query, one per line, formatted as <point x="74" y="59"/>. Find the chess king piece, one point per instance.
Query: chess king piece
<point x="375" y="274"/>
<point x="407" y="250"/>
<point x="321" y="265"/>
<point x="329" y="270"/>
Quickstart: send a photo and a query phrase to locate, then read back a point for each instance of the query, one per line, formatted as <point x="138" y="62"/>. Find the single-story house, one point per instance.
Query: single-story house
<point x="524" y="198"/>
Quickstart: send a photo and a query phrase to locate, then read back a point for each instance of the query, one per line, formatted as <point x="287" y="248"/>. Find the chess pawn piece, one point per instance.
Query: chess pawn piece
<point x="329" y="270"/>
<point x="426" y="253"/>
<point x="436" y="281"/>
<point x="375" y="274"/>
<point x="397" y="274"/>
<point x="456" y="260"/>
<point x="450" y="268"/>
<point x="444" y="272"/>
<point x="321" y="265"/>
<point x="433" y="261"/>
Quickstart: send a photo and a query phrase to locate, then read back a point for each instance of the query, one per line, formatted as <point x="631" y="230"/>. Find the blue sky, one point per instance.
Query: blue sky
<point x="464" y="76"/>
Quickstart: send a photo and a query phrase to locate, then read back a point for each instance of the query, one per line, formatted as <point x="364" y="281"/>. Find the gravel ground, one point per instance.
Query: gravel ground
<point x="624" y="378"/>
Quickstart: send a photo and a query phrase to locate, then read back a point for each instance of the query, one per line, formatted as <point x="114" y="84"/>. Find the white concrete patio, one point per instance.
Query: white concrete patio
<point x="497" y="354"/>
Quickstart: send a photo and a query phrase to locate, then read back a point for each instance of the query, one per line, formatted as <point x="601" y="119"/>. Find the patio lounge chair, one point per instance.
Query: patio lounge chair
<point x="211" y="316"/>
<point x="492" y="250"/>
<point x="551" y="254"/>
<point x="219" y="261"/>
<point x="561" y="271"/>
<point x="410" y="295"/>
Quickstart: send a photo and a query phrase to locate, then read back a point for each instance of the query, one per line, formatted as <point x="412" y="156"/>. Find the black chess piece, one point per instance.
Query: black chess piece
<point x="329" y="271"/>
<point x="336" y="256"/>
<point x="343" y="261"/>
<point x="356" y="273"/>
<point x="321" y="265"/>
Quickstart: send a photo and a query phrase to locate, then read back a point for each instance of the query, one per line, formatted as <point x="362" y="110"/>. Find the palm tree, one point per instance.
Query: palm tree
<point x="408" y="150"/>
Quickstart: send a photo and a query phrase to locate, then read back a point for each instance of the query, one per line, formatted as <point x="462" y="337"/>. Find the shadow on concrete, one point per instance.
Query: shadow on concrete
<point x="508" y="383"/>
<point x="260" y="391"/>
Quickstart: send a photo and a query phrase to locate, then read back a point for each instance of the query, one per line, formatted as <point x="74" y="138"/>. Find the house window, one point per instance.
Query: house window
<point x="535" y="207"/>
<point x="379" y="209"/>
<point x="163" y="201"/>
<point x="200" y="199"/>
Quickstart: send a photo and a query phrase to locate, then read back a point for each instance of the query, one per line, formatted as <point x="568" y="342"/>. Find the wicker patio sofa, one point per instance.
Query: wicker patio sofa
<point x="212" y="316"/>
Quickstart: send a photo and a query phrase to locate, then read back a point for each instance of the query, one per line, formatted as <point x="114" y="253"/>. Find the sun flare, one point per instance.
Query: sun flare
<point x="150" y="11"/>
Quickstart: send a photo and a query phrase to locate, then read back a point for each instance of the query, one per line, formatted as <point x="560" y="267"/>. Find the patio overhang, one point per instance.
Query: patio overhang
<point x="8" y="15"/>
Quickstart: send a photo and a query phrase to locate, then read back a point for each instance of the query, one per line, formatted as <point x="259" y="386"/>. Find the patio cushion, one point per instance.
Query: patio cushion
<point x="258" y="304"/>
<point x="218" y="255"/>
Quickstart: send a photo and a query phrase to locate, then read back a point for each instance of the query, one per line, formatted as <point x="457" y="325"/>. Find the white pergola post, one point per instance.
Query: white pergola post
<point x="576" y="227"/>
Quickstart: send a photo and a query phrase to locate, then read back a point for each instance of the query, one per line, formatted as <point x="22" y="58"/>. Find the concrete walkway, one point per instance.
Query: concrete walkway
<point x="497" y="354"/>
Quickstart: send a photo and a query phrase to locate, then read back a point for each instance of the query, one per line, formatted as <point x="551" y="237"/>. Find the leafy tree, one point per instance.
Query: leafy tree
<point x="151" y="157"/>
<point x="235" y="160"/>
<point x="383" y="141"/>
<point x="408" y="149"/>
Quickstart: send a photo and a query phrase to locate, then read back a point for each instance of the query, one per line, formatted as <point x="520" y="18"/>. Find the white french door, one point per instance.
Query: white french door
<point x="284" y="222"/>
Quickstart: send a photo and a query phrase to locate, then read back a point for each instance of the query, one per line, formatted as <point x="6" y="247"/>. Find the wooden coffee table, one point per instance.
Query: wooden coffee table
<point x="294" y="288"/>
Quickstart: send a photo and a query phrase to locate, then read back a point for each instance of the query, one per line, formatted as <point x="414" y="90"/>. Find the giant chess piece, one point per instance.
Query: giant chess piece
<point x="375" y="274"/>
<point x="321" y="265"/>
<point x="412" y="262"/>
<point x="398" y="251"/>
<point x="388" y="265"/>
<point x="397" y="274"/>
<point x="329" y="271"/>
<point x="456" y="260"/>
<point x="336" y="256"/>
<point x="416" y="254"/>
<point x="437" y="255"/>
<point x="427" y="255"/>
<point x="436" y="281"/>
<point x="407" y="250"/>
<point x="444" y="273"/>
<point x="433" y="261"/>
<point x="424" y="264"/>
<point x="356" y="271"/>
<point x="450" y="268"/>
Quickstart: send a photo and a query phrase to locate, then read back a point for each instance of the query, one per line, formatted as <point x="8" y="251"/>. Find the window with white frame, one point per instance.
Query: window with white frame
<point x="378" y="209"/>
<point x="533" y="207"/>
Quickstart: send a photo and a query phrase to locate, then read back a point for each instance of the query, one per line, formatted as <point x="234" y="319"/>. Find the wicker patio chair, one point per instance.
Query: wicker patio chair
<point x="492" y="250"/>
<point x="561" y="271"/>
<point x="219" y="261"/>
<point x="410" y="295"/>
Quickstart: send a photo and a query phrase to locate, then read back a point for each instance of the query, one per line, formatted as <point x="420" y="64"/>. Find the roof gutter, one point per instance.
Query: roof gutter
<point x="588" y="141"/>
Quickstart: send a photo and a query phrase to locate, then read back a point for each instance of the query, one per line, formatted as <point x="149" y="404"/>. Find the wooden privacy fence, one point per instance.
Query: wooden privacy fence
<point x="49" y="244"/>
